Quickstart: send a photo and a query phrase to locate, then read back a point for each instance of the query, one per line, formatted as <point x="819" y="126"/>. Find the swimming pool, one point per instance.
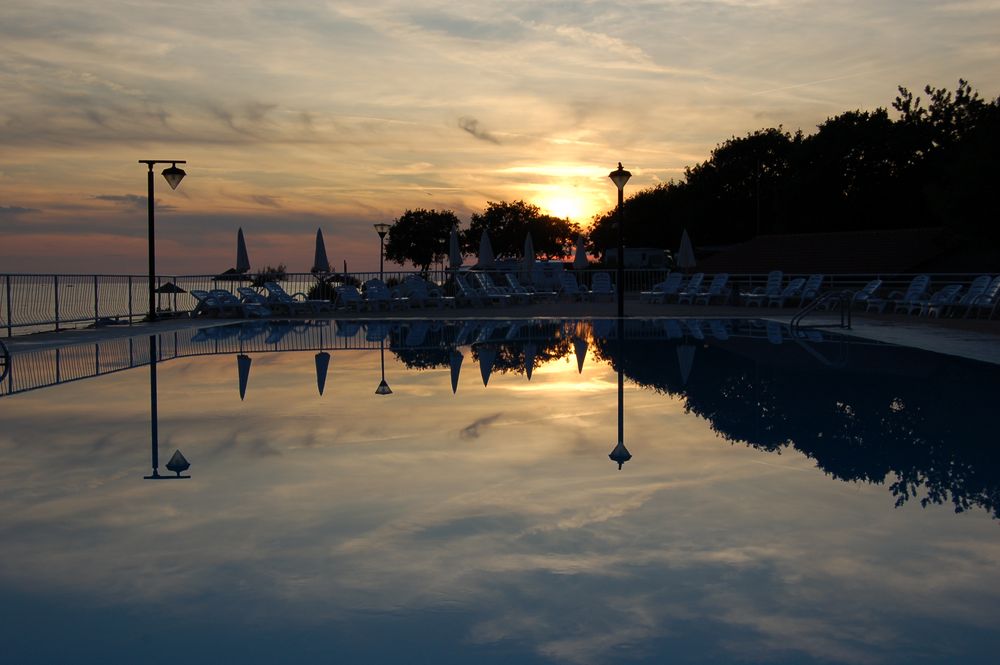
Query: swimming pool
<point x="788" y="499"/>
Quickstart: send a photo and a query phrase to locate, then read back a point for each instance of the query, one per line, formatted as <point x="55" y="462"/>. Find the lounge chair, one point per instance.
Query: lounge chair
<point x="811" y="289"/>
<point x="902" y="300"/>
<point x="254" y="300"/>
<point x="792" y="290"/>
<point x="988" y="301"/>
<point x="478" y="297"/>
<point x="532" y="293"/>
<point x="277" y="294"/>
<point x="242" y="308"/>
<point x="348" y="297"/>
<point x="661" y="291"/>
<point x="715" y="289"/>
<point x="210" y="305"/>
<point x="571" y="288"/>
<point x="761" y="294"/>
<point x="491" y="288"/>
<point x="380" y="296"/>
<point x="692" y="289"/>
<point x="423" y="294"/>
<point x="602" y="287"/>
<point x="975" y="291"/>
<point x="938" y="302"/>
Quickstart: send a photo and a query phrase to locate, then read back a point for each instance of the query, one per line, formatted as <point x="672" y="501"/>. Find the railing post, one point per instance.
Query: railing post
<point x="96" y="304"/>
<point x="130" y="299"/>
<point x="10" y="309"/>
<point x="55" y="289"/>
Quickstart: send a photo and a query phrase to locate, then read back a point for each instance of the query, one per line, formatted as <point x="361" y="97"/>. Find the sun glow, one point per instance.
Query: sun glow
<point x="564" y="207"/>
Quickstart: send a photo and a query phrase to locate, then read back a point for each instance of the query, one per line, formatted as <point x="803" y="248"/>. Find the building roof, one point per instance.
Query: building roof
<point x="881" y="251"/>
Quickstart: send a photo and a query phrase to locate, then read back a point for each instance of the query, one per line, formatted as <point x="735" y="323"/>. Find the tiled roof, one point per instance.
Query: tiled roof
<point x="887" y="251"/>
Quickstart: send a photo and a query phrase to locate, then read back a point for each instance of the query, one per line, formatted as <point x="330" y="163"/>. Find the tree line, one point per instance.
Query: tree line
<point x="931" y="163"/>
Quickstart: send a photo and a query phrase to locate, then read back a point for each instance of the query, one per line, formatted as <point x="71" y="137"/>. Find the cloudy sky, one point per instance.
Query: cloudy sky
<point x="300" y="115"/>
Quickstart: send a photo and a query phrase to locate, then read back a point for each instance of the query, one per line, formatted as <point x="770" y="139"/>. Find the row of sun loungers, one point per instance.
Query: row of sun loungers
<point x="481" y="289"/>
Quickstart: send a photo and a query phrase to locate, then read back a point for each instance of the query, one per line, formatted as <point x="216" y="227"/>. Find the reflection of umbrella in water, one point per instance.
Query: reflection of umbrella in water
<point x="178" y="463"/>
<point x="455" y="360"/>
<point x="243" y="369"/>
<point x="685" y="359"/>
<point x="322" y="365"/>
<point x="530" y="350"/>
<point x="487" y="356"/>
<point x="580" y="348"/>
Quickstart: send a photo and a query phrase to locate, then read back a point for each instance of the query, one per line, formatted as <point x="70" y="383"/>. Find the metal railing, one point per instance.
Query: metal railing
<point x="37" y="302"/>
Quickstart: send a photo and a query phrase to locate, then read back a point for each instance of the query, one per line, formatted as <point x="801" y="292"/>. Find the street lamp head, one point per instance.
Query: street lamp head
<point x="620" y="176"/>
<point x="173" y="175"/>
<point x="381" y="230"/>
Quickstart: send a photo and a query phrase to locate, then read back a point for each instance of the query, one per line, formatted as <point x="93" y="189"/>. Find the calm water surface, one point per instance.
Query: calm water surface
<point x="787" y="500"/>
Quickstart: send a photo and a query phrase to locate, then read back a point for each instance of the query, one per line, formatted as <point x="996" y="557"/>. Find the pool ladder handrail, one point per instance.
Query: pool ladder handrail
<point x="845" y="298"/>
<point x="4" y="361"/>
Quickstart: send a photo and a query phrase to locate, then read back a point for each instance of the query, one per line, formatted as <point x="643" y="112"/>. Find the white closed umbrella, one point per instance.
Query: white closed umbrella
<point x="486" y="259"/>
<point x="528" y="265"/>
<point x="580" y="260"/>
<point x="454" y="253"/>
<point x="320" y="262"/>
<point x="685" y="253"/>
<point x="242" y="258"/>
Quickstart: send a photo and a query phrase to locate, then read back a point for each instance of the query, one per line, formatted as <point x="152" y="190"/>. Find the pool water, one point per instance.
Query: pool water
<point x="788" y="498"/>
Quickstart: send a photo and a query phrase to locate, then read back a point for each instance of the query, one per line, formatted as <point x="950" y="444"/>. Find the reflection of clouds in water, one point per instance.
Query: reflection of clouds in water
<point x="472" y="431"/>
<point x="527" y="529"/>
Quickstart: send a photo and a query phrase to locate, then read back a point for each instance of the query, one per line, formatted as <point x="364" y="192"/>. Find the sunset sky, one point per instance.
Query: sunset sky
<point x="298" y="115"/>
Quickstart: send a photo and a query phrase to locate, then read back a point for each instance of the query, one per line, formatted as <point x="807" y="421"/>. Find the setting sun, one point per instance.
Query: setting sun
<point x="564" y="207"/>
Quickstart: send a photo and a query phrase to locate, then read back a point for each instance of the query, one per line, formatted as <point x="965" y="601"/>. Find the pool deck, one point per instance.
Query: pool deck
<point x="967" y="338"/>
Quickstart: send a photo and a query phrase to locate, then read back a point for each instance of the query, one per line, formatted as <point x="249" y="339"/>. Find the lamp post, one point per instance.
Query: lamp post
<point x="381" y="230"/>
<point x="620" y="454"/>
<point x="173" y="176"/>
<point x="620" y="177"/>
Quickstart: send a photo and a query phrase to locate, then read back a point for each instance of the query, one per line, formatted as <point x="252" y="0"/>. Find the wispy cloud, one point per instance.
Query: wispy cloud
<point x="11" y="211"/>
<point x="475" y="429"/>
<point x="471" y="125"/>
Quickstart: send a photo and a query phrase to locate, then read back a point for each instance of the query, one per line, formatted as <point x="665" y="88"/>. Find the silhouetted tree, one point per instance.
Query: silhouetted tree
<point x="508" y="223"/>
<point x="420" y="237"/>
<point x="932" y="165"/>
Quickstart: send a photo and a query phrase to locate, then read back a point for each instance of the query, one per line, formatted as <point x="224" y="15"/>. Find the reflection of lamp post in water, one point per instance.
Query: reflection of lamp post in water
<point x="621" y="454"/>
<point x="383" y="387"/>
<point x="177" y="463"/>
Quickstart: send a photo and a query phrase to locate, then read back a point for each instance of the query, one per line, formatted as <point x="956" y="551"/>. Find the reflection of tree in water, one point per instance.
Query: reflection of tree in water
<point x="896" y="415"/>
<point x="547" y="338"/>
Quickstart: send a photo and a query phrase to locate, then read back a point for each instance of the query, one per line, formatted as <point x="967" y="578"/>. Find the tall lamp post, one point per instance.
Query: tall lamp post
<point x="620" y="177"/>
<point x="173" y="176"/>
<point x="381" y="230"/>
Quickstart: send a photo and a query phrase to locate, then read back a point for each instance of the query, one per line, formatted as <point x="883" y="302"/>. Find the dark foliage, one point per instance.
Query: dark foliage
<point x="931" y="166"/>
<point x="509" y="223"/>
<point x="420" y="237"/>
